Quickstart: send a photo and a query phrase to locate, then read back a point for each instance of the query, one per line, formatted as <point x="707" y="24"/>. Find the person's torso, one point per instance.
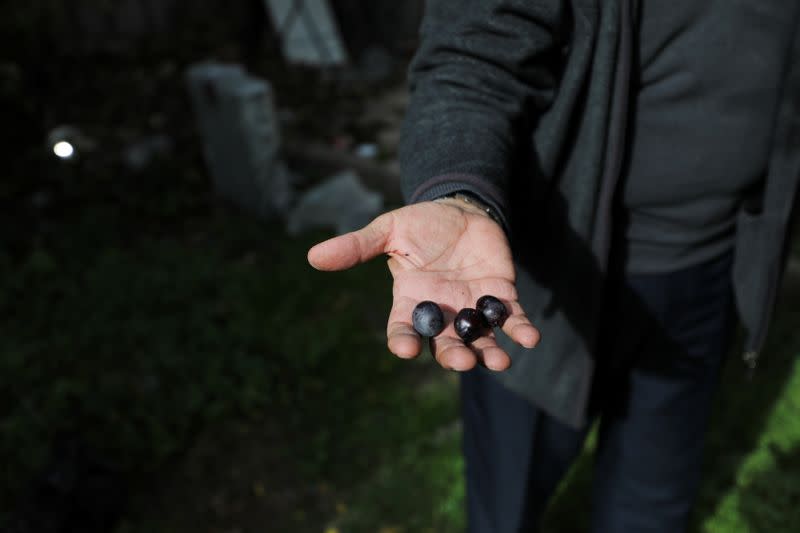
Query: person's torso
<point x="705" y="96"/>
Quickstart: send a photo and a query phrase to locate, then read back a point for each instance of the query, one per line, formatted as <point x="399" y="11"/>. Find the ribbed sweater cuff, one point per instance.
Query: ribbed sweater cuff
<point x="447" y="184"/>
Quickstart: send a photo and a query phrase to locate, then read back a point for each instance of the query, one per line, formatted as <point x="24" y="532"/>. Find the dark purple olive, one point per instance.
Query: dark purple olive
<point x="428" y="319"/>
<point x="493" y="310"/>
<point x="470" y="324"/>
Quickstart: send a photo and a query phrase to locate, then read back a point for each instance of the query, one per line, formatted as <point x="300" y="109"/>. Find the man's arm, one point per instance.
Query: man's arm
<point x="482" y="73"/>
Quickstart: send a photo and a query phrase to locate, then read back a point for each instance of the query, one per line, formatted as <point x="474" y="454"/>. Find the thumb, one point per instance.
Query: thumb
<point x="350" y="249"/>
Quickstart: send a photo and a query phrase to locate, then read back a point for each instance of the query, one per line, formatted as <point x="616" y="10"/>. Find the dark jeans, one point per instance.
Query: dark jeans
<point x="663" y="342"/>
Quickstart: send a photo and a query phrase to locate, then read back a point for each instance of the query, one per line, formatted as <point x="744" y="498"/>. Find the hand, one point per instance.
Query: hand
<point x="447" y="252"/>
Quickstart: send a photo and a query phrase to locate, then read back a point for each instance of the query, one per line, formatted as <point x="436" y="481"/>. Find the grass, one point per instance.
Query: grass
<point x="148" y="337"/>
<point x="752" y="464"/>
<point x="231" y="387"/>
<point x="179" y="351"/>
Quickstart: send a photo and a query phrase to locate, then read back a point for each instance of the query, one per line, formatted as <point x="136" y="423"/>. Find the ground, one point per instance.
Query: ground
<point x="217" y="383"/>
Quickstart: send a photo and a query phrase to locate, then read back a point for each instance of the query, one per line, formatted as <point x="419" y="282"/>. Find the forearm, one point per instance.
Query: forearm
<point x="483" y="71"/>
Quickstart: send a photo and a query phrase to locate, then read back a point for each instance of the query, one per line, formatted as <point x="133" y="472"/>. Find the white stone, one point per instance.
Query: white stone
<point x="308" y="31"/>
<point x="341" y="202"/>
<point x="241" y="137"/>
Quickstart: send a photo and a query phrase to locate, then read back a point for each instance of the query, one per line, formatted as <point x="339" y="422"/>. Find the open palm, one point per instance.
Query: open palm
<point x="445" y="254"/>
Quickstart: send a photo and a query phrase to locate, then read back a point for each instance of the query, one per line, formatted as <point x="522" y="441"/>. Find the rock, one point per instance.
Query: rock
<point x="341" y="202"/>
<point x="241" y="137"/>
<point x="366" y="150"/>
<point x="308" y="32"/>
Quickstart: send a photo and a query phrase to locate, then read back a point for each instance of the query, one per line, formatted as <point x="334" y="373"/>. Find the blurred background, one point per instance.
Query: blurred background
<point x="169" y="361"/>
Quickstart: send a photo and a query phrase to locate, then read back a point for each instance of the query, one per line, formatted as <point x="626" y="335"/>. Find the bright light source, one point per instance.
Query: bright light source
<point x="63" y="149"/>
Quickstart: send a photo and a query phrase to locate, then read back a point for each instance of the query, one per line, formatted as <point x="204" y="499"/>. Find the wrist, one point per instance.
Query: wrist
<point x="462" y="205"/>
<point x="469" y="203"/>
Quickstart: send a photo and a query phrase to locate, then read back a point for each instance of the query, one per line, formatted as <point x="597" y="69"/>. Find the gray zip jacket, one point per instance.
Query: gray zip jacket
<point x="524" y="104"/>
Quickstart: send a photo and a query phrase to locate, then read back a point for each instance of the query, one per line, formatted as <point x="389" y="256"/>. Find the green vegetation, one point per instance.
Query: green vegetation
<point x="234" y="388"/>
<point x="182" y="347"/>
<point x="139" y="335"/>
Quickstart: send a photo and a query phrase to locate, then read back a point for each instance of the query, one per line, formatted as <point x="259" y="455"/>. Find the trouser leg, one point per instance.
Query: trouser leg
<point x="515" y="456"/>
<point x="672" y="333"/>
